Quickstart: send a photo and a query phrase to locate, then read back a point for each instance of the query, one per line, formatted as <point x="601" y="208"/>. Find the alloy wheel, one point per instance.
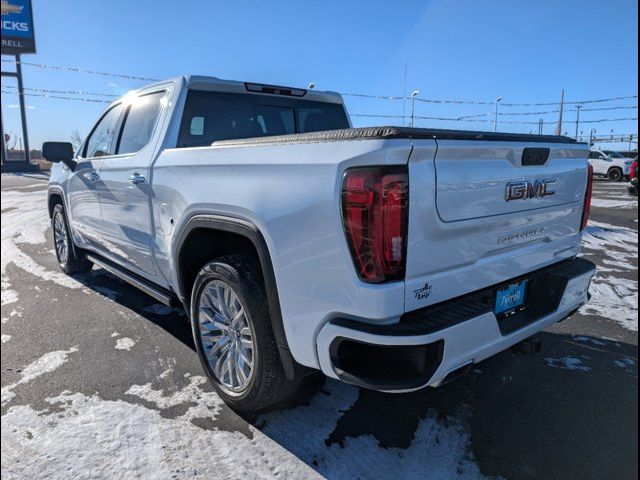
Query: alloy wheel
<point x="226" y="336"/>
<point x="60" y="238"/>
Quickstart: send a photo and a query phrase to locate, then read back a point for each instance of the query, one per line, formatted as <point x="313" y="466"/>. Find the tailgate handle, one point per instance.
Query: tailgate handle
<point x="535" y="156"/>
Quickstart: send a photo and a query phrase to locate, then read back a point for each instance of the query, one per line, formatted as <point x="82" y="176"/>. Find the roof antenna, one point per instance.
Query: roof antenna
<point x="311" y="86"/>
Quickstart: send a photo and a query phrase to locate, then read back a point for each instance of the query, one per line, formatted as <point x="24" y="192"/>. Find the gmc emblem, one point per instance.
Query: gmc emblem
<point x="526" y="189"/>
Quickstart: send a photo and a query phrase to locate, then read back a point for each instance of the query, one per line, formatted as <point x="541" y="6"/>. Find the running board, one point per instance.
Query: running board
<point x="163" y="296"/>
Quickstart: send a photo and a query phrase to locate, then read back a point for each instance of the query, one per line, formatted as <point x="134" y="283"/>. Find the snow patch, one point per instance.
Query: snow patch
<point x="6" y="338"/>
<point x="45" y="364"/>
<point x="604" y="203"/>
<point x="125" y="343"/>
<point x="25" y="220"/>
<point x="107" y="292"/>
<point x="625" y="363"/>
<point x="92" y="437"/>
<point x="131" y="441"/>
<point x="160" y="309"/>
<point x="614" y="298"/>
<point x="567" y="363"/>
<point x="8" y="296"/>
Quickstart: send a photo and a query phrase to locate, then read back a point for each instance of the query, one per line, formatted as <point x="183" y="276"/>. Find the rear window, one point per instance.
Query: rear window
<point x="213" y="116"/>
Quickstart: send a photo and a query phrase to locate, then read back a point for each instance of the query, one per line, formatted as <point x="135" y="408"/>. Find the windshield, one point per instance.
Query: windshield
<point x="613" y="154"/>
<point x="212" y="116"/>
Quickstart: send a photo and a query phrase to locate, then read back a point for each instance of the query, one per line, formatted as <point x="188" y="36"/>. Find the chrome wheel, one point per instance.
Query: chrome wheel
<point x="226" y="336"/>
<point x="60" y="238"/>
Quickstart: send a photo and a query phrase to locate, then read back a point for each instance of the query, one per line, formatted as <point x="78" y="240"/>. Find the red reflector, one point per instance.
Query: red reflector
<point x="587" y="199"/>
<point x="374" y="212"/>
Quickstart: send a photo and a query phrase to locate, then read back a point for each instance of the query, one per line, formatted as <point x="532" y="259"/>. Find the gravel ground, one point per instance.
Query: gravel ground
<point x="100" y="381"/>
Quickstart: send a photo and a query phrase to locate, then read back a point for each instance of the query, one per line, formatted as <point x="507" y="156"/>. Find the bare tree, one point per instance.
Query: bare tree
<point x="76" y="139"/>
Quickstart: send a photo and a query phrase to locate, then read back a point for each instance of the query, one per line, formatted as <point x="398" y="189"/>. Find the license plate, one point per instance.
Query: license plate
<point x="510" y="297"/>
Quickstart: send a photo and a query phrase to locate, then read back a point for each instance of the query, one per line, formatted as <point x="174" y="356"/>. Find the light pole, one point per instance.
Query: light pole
<point x="414" y="94"/>
<point x="578" y="120"/>
<point x="495" y="122"/>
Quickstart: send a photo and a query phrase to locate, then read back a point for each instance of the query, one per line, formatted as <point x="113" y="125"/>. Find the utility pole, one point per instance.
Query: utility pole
<point x="27" y="154"/>
<point x="414" y="94"/>
<point x="404" y="95"/>
<point x="592" y="135"/>
<point x="630" y="142"/>
<point x="495" y="121"/>
<point x="4" y="140"/>
<point x="559" y="129"/>
<point x="578" y="120"/>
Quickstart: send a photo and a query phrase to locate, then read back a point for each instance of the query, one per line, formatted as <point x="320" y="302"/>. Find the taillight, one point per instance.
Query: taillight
<point x="587" y="199"/>
<point x="374" y="213"/>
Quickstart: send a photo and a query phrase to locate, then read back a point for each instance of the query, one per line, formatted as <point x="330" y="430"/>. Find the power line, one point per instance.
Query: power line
<point x="81" y="70"/>
<point x="346" y="94"/>
<point x="67" y="92"/>
<point x="548" y="112"/>
<point x="43" y="93"/>
<point x="420" y="117"/>
<point x="480" y="102"/>
<point x="58" y="97"/>
<point x="478" y="120"/>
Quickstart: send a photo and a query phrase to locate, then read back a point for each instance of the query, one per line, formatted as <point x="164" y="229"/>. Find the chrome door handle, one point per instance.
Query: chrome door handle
<point x="92" y="176"/>
<point x="137" y="179"/>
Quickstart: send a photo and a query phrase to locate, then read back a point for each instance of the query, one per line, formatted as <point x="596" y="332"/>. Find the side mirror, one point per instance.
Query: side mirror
<point x="59" y="152"/>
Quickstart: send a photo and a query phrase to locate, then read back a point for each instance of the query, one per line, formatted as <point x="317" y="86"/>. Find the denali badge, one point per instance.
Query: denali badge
<point x="527" y="189"/>
<point x="423" y="292"/>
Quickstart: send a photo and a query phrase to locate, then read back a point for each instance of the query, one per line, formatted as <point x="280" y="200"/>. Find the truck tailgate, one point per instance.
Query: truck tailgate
<point x="483" y="212"/>
<point x="472" y="179"/>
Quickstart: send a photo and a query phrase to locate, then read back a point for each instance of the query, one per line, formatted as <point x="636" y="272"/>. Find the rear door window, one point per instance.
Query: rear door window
<point x="139" y="122"/>
<point x="102" y="140"/>
<point x="214" y="116"/>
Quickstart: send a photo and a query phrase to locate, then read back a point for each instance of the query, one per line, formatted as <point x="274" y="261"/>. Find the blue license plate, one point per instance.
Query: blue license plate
<point x="511" y="297"/>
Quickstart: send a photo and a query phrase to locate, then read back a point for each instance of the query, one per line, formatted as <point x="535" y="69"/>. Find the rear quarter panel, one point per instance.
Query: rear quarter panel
<point x="291" y="194"/>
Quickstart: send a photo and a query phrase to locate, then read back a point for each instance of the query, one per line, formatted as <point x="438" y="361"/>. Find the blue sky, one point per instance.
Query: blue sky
<point x="524" y="51"/>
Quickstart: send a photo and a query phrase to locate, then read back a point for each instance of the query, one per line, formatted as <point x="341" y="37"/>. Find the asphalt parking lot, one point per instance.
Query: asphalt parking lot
<point x="99" y="381"/>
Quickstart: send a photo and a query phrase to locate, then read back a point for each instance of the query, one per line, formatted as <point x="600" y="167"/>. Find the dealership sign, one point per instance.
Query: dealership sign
<point x="17" y="27"/>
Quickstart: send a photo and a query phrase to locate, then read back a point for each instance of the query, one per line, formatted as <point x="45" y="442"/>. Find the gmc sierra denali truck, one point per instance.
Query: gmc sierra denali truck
<point x="389" y="258"/>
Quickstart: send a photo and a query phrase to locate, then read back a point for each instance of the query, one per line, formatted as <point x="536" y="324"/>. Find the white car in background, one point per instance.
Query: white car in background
<point x="610" y="164"/>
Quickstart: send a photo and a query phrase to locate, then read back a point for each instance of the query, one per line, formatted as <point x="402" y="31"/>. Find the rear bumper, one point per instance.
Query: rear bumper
<point x="428" y="345"/>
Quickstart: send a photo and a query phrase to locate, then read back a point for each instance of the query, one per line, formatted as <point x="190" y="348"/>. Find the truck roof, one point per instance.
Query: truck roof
<point x="215" y="84"/>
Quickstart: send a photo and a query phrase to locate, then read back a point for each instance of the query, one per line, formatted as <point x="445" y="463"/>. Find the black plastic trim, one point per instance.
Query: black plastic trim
<point x="370" y="133"/>
<point x="534" y="156"/>
<point x="550" y="283"/>
<point x="420" y="379"/>
<point x="251" y="232"/>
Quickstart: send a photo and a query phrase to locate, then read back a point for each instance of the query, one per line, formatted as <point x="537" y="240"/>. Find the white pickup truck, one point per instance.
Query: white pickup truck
<point x="390" y="258"/>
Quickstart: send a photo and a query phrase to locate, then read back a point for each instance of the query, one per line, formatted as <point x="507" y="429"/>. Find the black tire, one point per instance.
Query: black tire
<point x="73" y="261"/>
<point x="615" y="174"/>
<point x="267" y="385"/>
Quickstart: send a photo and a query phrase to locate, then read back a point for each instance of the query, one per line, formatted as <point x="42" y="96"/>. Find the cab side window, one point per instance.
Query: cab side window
<point x="139" y="122"/>
<point x="595" y="155"/>
<point x="102" y="140"/>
